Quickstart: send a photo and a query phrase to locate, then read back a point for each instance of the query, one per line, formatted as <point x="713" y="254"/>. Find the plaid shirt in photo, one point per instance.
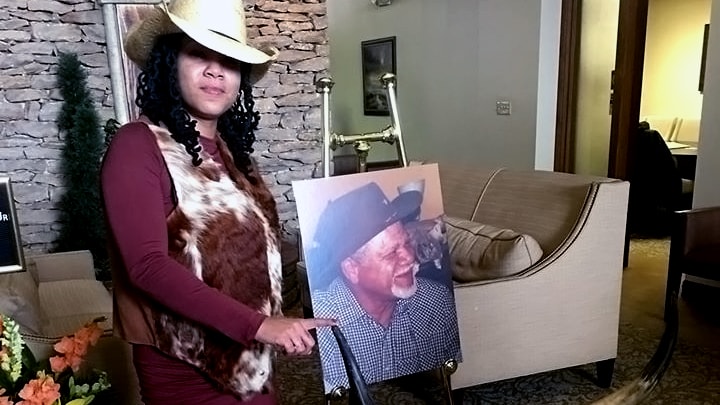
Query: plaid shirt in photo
<point x="423" y="333"/>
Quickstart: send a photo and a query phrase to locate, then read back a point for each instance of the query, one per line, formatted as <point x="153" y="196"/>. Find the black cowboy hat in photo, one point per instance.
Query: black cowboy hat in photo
<point x="218" y="25"/>
<point x="349" y="222"/>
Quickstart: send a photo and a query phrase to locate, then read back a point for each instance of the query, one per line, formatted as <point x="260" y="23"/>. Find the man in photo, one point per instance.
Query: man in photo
<point x="363" y="273"/>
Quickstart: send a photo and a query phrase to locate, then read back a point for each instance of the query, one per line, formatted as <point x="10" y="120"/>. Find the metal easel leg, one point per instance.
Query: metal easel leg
<point x="446" y="370"/>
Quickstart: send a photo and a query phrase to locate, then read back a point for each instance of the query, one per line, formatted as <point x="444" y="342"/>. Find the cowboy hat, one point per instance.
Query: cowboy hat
<point x="218" y="25"/>
<point x="349" y="222"/>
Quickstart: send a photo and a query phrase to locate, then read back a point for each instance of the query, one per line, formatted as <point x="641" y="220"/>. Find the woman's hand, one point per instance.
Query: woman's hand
<point x="291" y="334"/>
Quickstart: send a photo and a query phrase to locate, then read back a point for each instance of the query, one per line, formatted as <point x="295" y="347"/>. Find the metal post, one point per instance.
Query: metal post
<point x="324" y="86"/>
<point x="114" y="49"/>
<point x="389" y="81"/>
<point x="361" y="142"/>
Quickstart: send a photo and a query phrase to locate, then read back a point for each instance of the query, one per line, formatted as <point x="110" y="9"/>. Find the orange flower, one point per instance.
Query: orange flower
<point x="57" y="364"/>
<point x="41" y="391"/>
<point x="3" y="399"/>
<point x="73" y="348"/>
<point x="67" y="358"/>
<point x="89" y="334"/>
<point x="66" y="347"/>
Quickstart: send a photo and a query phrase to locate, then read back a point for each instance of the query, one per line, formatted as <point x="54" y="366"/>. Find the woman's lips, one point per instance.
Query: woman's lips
<point x="213" y="90"/>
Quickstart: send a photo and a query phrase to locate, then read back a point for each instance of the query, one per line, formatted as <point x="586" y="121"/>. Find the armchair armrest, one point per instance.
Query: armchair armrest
<point x="698" y="227"/>
<point x="63" y="266"/>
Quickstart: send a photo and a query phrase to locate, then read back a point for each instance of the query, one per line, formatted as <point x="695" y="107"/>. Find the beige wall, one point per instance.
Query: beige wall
<point x="455" y="59"/>
<point x="707" y="190"/>
<point x="670" y="76"/>
<point x="673" y="51"/>
<point x="597" y="60"/>
<point x="550" y="13"/>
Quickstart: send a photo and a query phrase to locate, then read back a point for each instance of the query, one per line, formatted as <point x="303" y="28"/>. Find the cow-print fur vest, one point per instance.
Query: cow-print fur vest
<point x="225" y="230"/>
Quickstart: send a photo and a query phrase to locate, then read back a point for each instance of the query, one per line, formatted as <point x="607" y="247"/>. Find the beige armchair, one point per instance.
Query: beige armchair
<point x="69" y="296"/>
<point x="564" y="310"/>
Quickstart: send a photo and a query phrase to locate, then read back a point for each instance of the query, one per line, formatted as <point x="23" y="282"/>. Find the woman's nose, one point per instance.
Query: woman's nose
<point x="214" y="68"/>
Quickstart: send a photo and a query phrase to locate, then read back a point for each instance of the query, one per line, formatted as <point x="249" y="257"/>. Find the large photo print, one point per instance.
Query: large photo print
<point x="377" y="261"/>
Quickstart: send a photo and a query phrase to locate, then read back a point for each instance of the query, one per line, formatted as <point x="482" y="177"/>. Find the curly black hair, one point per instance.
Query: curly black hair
<point x="159" y="99"/>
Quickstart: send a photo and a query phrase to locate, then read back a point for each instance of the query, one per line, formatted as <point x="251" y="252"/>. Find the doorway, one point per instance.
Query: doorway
<point x="626" y="90"/>
<point x="672" y="76"/>
<point x="627" y="87"/>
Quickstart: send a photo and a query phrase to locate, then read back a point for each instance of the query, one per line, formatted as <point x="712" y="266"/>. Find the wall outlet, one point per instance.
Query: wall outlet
<point x="503" y="108"/>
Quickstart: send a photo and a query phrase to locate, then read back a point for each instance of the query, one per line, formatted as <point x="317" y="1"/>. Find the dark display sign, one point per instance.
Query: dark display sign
<point x="11" y="253"/>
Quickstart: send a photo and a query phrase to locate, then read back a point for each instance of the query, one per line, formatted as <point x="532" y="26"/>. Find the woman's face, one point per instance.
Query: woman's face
<point x="209" y="81"/>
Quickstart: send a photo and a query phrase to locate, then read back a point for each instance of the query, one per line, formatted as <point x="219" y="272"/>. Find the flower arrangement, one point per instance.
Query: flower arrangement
<point x="55" y="381"/>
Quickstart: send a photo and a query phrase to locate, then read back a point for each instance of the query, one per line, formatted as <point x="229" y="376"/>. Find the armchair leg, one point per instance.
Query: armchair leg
<point x="605" y="371"/>
<point x="672" y="289"/>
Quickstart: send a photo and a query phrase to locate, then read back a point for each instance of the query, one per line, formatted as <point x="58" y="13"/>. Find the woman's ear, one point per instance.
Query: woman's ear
<point x="350" y="269"/>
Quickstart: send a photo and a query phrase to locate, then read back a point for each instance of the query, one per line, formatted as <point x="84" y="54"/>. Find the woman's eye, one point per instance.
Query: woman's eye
<point x="231" y="63"/>
<point x="196" y="53"/>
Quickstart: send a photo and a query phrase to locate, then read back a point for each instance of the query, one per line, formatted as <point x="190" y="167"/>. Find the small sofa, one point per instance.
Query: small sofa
<point x="56" y="296"/>
<point x="563" y="310"/>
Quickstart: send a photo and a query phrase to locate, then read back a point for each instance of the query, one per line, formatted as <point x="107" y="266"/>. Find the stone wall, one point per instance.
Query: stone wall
<point x="34" y="32"/>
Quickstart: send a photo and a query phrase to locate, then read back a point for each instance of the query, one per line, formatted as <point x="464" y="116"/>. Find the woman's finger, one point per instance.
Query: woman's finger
<point x="308" y="340"/>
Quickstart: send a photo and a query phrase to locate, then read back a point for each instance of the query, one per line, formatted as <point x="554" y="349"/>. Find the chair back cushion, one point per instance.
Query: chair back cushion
<point x="19" y="300"/>
<point x="484" y="252"/>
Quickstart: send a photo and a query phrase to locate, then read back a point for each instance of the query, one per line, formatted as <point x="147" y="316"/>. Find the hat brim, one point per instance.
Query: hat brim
<point x="224" y="45"/>
<point x="141" y="39"/>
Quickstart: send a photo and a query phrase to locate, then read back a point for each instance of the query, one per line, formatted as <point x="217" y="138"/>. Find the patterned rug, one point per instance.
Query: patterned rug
<point x="692" y="378"/>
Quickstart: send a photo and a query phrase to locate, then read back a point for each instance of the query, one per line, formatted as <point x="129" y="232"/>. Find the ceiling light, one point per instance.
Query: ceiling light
<point x="381" y="3"/>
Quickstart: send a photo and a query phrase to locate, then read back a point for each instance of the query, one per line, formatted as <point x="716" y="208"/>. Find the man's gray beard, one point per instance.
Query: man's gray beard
<point x="406" y="292"/>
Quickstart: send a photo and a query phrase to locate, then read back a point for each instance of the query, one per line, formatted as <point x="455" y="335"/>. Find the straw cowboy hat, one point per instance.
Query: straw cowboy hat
<point x="217" y="24"/>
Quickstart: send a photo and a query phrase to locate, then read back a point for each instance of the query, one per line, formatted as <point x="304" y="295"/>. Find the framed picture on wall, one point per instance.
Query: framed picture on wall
<point x="11" y="251"/>
<point x="703" y="59"/>
<point x="378" y="58"/>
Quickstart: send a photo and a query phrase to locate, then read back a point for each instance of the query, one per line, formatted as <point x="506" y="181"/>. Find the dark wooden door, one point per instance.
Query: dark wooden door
<point x="627" y="88"/>
<point x="629" y="58"/>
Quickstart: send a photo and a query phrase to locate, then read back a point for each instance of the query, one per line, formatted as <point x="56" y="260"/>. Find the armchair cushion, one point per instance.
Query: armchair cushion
<point x="19" y="300"/>
<point x="70" y="304"/>
<point x="483" y="252"/>
<point x="62" y="266"/>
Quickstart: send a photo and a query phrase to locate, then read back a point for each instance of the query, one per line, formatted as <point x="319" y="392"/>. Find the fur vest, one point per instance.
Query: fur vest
<point x="225" y="230"/>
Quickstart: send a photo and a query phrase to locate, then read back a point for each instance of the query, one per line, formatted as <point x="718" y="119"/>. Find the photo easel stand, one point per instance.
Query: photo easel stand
<point x="361" y="142"/>
<point x="358" y="393"/>
<point x="446" y="370"/>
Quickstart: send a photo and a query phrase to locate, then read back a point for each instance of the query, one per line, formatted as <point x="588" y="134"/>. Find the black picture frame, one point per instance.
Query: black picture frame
<point x="378" y="58"/>
<point x="703" y="60"/>
<point x="12" y="258"/>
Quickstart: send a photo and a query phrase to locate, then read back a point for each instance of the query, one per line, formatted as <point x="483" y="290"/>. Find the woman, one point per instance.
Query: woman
<point x="195" y="234"/>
